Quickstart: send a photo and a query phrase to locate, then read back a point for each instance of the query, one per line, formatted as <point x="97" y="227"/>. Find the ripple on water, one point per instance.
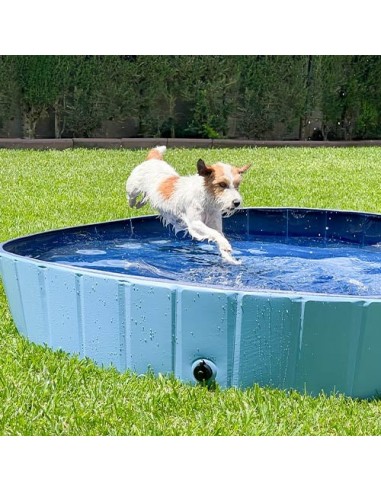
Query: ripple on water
<point x="299" y="265"/>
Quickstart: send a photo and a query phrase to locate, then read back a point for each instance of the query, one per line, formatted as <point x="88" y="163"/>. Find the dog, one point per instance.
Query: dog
<point x="195" y="204"/>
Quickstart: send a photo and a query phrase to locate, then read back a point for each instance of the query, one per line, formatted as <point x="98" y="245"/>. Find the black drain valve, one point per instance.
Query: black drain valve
<point x="204" y="371"/>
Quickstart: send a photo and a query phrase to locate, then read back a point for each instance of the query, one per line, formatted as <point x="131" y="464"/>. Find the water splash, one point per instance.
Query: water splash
<point x="299" y="264"/>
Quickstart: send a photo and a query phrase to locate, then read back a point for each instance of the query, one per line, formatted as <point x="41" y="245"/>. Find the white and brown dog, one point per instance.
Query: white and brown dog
<point x="195" y="204"/>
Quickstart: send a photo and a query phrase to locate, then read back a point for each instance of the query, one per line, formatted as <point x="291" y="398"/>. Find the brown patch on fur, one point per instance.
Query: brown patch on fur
<point x="237" y="177"/>
<point x="242" y="169"/>
<point x="237" y="181"/>
<point x="167" y="187"/>
<point x="218" y="171"/>
<point x="214" y="180"/>
<point x="154" y="154"/>
<point x="237" y="174"/>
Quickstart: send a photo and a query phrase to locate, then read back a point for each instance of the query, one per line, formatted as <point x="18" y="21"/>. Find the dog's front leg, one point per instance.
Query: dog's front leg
<point x="214" y="221"/>
<point x="200" y="231"/>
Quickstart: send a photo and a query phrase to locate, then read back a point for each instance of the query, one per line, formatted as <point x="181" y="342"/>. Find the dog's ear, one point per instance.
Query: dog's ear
<point x="243" y="169"/>
<point x="203" y="169"/>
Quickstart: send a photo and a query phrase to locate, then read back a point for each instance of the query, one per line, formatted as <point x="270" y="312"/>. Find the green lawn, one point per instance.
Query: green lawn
<point x="51" y="393"/>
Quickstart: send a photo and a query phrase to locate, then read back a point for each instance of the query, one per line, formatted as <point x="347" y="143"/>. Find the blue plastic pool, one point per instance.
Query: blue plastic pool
<point x="302" y="310"/>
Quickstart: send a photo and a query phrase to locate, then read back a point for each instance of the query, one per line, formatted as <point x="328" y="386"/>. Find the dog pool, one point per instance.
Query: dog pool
<point x="302" y="310"/>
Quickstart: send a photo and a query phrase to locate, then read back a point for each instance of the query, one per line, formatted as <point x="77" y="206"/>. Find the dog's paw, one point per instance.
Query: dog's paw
<point x="224" y="246"/>
<point x="229" y="258"/>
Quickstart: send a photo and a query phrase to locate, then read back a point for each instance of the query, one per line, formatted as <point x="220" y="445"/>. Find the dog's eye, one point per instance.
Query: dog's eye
<point x="223" y="185"/>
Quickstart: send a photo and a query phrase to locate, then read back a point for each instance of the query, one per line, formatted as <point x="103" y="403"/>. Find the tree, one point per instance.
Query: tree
<point x="272" y="90"/>
<point x="212" y="95"/>
<point x="35" y="78"/>
<point x="195" y="96"/>
<point x="349" y="96"/>
<point x="9" y="90"/>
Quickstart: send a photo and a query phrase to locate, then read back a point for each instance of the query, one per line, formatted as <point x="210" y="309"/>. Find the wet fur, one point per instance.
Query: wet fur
<point x="196" y="203"/>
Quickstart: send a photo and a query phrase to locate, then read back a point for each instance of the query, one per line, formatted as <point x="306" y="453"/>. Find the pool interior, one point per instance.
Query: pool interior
<point x="300" y="250"/>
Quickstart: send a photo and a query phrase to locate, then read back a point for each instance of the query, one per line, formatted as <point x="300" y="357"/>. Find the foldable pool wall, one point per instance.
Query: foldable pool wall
<point x="307" y="342"/>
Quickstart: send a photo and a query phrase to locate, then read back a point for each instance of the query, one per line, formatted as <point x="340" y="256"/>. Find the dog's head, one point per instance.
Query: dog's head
<point x="222" y="182"/>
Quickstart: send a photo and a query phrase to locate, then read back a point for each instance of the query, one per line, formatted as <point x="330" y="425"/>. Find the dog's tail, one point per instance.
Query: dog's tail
<point x="157" y="152"/>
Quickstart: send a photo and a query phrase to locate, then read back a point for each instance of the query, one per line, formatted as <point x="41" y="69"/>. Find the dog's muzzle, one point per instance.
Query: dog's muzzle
<point x="229" y="212"/>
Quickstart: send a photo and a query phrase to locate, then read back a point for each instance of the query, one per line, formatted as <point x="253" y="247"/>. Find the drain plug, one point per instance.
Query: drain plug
<point x="204" y="370"/>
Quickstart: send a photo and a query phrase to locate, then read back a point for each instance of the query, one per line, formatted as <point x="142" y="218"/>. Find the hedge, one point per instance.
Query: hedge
<point x="213" y="97"/>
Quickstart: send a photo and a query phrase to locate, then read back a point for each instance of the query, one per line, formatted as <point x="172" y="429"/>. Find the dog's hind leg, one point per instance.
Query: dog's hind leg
<point x="132" y="200"/>
<point x="133" y="191"/>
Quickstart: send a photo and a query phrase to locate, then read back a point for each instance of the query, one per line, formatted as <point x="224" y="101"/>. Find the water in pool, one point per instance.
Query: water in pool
<point x="300" y="264"/>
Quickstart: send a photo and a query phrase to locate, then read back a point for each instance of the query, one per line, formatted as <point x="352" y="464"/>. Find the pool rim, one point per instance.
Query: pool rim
<point x="175" y="283"/>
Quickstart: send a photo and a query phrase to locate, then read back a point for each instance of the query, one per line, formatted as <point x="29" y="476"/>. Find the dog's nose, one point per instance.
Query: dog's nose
<point x="236" y="202"/>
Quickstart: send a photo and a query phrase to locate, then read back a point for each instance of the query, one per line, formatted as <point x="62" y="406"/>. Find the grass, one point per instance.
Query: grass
<point x="51" y="393"/>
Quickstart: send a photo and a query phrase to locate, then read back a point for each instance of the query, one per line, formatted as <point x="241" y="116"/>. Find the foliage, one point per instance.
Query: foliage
<point x="272" y="91"/>
<point x="8" y="90"/>
<point x="347" y="91"/>
<point x="194" y="96"/>
<point x="213" y="96"/>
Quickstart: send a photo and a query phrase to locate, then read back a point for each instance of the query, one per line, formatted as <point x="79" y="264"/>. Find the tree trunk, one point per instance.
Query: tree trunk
<point x="30" y="119"/>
